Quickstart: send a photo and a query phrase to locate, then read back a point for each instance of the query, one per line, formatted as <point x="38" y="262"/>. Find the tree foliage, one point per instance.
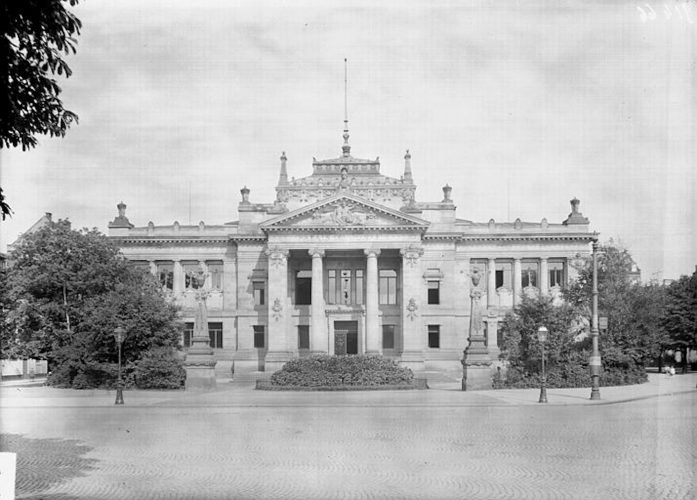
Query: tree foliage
<point x="66" y="293"/>
<point x="680" y="318"/>
<point x="35" y="35"/>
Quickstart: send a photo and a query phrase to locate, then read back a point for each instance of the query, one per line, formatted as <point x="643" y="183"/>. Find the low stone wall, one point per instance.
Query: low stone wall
<point x="23" y="368"/>
<point x="419" y="383"/>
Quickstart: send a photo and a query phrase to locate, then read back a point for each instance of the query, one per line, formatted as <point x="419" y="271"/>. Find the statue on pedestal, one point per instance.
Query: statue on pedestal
<point x="200" y="363"/>
<point x="476" y="362"/>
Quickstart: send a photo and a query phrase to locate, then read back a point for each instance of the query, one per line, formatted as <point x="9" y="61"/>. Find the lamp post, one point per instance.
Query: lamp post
<point x="595" y="355"/>
<point x="542" y="337"/>
<point x="119" y="336"/>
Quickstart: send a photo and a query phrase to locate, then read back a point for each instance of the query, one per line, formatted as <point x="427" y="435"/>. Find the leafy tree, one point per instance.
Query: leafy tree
<point x="680" y="316"/>
<point x="566" y="355"/>
<point x="67" y="291"/>
<point x="34" y="36"/>
<point x="634" y="335"/>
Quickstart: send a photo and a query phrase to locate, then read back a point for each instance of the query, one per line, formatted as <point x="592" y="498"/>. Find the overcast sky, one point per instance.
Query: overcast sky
<point x="518" y="107"/>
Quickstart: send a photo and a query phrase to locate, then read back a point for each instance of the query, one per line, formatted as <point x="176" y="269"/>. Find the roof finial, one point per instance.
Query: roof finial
<point x="283" y="177"/>
<point x="346" y="148"/>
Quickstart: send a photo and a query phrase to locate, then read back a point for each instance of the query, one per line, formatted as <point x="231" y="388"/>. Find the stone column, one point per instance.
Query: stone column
<point x="491" y="284"/>
<point x="476" y="362"/>
<point x="318" y="325"/>
<point x="178" y="279"/>
<point x="544" y="276"/>
<point x="517" y="281"/>
<point x="373" y="340"/>
<point x="278" y="352"/>
<point x="153" y="268"/>
<point x="413" y="334"/>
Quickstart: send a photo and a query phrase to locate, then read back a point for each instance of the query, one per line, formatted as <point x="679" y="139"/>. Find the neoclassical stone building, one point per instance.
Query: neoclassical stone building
<point x="346" y="261"/>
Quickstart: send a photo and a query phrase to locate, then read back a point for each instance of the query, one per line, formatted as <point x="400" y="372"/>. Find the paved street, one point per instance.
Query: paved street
<point x="638" y="442"/>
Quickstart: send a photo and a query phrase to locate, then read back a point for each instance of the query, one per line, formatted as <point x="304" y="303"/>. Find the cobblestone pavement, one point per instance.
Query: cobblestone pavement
<point x="240" y="443"/>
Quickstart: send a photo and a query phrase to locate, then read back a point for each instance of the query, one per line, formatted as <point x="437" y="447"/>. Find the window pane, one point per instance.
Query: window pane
<point x="188" y="333"/>
<point x="165" y="273"/>
<point x="303" y="288"/>
<point x="259" y="289"/>
<point x="258" y="336"/>
<point x="215" y="332"/>
<point x="303" y="336"/>
<point x="434" y="292"/>
<point x="388" y="336"/>
<point x="215" y="269"/>
<point x="359" y="286"/>
<point x="331" y="287"/>
<point x="434" y="336"/>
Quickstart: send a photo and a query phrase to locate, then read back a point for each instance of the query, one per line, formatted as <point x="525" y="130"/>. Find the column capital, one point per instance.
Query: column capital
<point x="277" y="255"/>
<point x="492" y="260"/>
<point x="374" y="252"/>
<point x="411" y="254"/>
<point x="316" y="252"/>
<point x="544" y="259"/>
<point x="516" y="259"/>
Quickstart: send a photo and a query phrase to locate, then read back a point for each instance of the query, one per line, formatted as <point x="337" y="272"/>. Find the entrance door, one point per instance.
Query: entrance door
<point x="345" y="337"/>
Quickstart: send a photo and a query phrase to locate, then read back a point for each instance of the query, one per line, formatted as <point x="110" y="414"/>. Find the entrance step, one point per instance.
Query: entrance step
<point x="251" y="377"/>
<point x="438" y="377"/>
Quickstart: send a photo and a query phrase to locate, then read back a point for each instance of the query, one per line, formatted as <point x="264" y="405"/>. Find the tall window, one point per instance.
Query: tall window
<point x="388" y="336"/>
<point x="556" y="274"/>
<point x="388" y="286"/>
<point x="434" y="336"/>
<point x="503" y="275"/>
<point x="303" y="336"/>
<point x="191" y="271"/>
<point x="529" y="270"/>
<point x="215" y="332"/>
<point x="215" y="269"/>
<point x="331" y="286"/>
<point x="259" y="291"/>
<point x="434" y="292"/>
<point x="188" y="333"/>
<point x="165" y="273"/>
<point x="259" y="336"/>
<point x="359" y="286"/>
<point x="303" y="288"/>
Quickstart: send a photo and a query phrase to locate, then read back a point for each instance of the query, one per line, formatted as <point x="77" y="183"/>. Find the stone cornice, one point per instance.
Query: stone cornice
<point x="183" y="240"/>
<point x="588" y="237"/>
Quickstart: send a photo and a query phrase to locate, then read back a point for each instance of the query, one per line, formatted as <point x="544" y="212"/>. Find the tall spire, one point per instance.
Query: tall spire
<point x="346" y="148"/>
<point x="283" y="177"/>
<point x="407" y="167"/>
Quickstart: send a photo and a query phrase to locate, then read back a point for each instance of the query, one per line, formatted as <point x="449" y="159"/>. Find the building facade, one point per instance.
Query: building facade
<point x="347" y="261"/>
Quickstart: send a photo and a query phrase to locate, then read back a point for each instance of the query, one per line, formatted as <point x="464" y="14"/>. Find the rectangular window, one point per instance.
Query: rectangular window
<point x="215" y="332"/>
<point x="556" y="274"/>
<point x="303" y="288"/>
<point x="303" y="336"/>
<point x="215" y="270"/>
<point x="259" y="291"/>
<point x="434" y="336"/>
<point x="388" y="286"/>
<point x="434" y="292"/>
<point x="191" y="272"/>
<point x="331" y="286"/>
<point x="259" y="336"/>
<point x="529" y="271"/>
<point x="188" y="334"/>
<point x="359" y="286"/>
<point x="388" y="336"/>
<point x="165" y="273"/>
<point x="504" y="275"/>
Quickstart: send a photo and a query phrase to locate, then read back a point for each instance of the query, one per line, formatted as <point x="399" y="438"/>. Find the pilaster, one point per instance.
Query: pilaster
<point x="517" y="281"/>
<point x="413" y="336"/>
<point x="373" y="338"/>
<point x="544" y="277"/>
<point x="318" y="325"/>
<point x="278" y="352"/>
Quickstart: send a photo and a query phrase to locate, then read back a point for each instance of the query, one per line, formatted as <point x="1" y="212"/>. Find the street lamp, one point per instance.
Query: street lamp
<point x="119" y="336"/>
<point x="542" y="337"/>
<point x="595" y="355"/>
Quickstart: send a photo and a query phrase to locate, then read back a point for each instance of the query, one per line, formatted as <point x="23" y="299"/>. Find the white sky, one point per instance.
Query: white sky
<point x="518" y="107"/>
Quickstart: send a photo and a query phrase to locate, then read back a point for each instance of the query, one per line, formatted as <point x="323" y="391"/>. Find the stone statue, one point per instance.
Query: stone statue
<point x="201" y="318"/>
<point x="476" y="323"/>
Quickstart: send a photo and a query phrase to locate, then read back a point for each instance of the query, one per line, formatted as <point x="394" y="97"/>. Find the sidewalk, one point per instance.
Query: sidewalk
<point x="242" y="394"/>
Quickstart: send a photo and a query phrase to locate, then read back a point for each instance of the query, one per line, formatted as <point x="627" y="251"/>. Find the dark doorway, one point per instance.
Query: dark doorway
<point x="345" y="337"/>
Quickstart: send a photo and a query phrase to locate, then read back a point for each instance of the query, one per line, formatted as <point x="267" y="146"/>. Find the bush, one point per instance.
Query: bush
<point x="334" y="371"/>
<point x="159" y="369"/>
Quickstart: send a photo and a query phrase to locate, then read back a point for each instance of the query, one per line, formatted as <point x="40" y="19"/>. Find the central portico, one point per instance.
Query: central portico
<point x="344" y="266"/>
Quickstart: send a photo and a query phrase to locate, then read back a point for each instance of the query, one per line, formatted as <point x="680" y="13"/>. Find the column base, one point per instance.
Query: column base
<point x="274" y="361"/>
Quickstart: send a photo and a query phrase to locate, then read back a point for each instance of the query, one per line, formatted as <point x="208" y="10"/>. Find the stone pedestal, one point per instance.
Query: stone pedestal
<point x="200" y="366"/>
<point x="275" y="360"/>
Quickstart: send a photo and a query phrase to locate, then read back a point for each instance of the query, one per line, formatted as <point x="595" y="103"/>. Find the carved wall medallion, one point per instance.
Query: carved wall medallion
<point x="412" y="254"/>
<point x="412" y="308"/>
<point x="277" y="308"/>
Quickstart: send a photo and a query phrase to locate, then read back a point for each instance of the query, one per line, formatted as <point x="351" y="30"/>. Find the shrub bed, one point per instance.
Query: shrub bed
<point x="328" y="372"/>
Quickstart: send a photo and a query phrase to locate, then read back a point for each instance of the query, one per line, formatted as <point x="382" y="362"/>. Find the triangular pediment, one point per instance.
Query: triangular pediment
<point x="345" y="211"/>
